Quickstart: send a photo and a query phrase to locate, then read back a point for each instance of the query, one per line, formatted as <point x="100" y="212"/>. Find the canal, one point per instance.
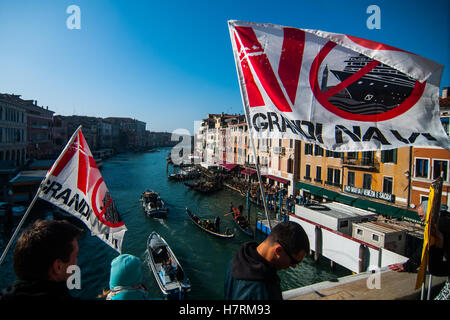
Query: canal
<point x="204" y="257"/>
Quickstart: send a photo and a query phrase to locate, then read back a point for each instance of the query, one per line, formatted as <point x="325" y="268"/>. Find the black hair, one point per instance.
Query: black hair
<point x="40" y="245"/>
<point x="291" y="236"/>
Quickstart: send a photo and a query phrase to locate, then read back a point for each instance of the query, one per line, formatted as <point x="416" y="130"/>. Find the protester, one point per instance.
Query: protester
<point x="42" y="255"/>
<point x="413" y="262"/>
<point x="126" y="278"/>
<point x="439" y="254"/>
<point x="252" y="274"/>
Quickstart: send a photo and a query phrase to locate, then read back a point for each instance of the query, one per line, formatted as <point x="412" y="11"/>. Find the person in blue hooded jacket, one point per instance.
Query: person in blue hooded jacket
<point x="125" y="280"/>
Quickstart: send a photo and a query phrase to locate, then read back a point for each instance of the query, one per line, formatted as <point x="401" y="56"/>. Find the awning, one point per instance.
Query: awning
<point x="345" y="199"/>
<point x="321" y="192"/>
<point x="28" y="177"/>
<point x="281" y="180"/>
<point x="248" y="171"/>
<point x="385" y="209"/>
<point x="228" y="166"/>
<point x="361" y="203"/>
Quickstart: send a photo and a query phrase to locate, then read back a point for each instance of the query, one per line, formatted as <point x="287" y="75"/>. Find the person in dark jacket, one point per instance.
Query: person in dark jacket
<point x="413" y="262"/>
<point x="42" y="255"/>
<point x="439" y="254"/>
<point x="252" y="274"/>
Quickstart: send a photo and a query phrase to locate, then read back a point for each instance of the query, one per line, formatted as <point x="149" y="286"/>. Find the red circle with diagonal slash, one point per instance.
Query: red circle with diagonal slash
<point x="415" y="95"/>
<point x="101" y="214"/>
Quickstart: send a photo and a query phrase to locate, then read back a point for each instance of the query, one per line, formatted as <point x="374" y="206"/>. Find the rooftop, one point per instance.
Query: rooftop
<point x="339" y="210"/>
<point x="380" y="227"/>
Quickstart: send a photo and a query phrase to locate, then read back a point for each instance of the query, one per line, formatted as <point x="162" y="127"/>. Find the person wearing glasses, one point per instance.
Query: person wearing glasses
<point x="252" y="273"/>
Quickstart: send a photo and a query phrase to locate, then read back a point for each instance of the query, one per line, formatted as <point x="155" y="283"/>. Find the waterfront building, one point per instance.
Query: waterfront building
<point x="159" y="139"/>
<point x="13" y="129"/>
<point x="66" y="125"/>
<point x="104" y="134"/>
<point x="39" y="130"/>
<point x="13" y="139"/>
<point x="428" y="163"/>
<point x="374" y="180"/>
<point x="127" y="133"/>
<point x="210" y="139"/>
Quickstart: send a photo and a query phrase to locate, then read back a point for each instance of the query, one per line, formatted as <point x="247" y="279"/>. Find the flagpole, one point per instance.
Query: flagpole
<point x="25" y="215"/>
<point x="247" y="116"/>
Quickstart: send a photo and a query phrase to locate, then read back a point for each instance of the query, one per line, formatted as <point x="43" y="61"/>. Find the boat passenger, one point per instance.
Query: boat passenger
<point x="217" y="224"/>
<point x="125" y="280"/>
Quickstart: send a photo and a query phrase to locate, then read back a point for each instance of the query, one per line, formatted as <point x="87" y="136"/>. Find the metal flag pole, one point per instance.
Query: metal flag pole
<point x="25" y="215"/>
<point x="247" y="117"/>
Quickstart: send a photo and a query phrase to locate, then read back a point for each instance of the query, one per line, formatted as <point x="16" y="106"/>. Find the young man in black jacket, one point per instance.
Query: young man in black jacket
<point x="41" y="257"/>
<point x="252" y="274"/>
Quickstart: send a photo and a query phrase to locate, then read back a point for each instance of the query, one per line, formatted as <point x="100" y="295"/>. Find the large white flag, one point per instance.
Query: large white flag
<point x="75" y="184"/>
<point x="338" y="91"/>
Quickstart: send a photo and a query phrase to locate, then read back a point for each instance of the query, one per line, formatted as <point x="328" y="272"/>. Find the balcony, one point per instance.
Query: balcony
<point x="279" y="150"/>
<point x="364" y="163"/>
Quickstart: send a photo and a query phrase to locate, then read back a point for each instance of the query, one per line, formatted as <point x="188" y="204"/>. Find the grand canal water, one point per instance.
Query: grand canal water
<point x="204" y="257"/>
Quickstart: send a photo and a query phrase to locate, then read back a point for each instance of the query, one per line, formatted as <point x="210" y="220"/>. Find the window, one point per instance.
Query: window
<point x="343" y="224"/>
<point x="308" y="148"/>
<point x="389" y="156"/>
<point x="337" y="177"/>
<point x="367" y="181"/>
<point x="351" y="178"/>
<point x="387" y="184"/>
<point x="438" y="167"/>
<point x="338" y="154"/>
<point x="359" y="232"/>
<point x="318" y="150"/>
<point x="307" y="172"/>
<point x="422" y="168"/>
<point x="375" y="237"/>
<point x="318" y="174"/>
<point x="352" y="155"/>
<point x="334" y="177"/>
<point x="289" y="165"/>
<point x="330" y="175"/>
<point x="367" y="158"/>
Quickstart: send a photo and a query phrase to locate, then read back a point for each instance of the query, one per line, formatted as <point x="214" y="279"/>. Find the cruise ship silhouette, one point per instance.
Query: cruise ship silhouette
<point x="380" y="90"/>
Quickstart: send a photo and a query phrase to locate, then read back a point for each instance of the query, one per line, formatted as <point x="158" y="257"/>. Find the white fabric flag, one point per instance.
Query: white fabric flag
<point x="338" y="91"/>
<point x="75" y="184"/>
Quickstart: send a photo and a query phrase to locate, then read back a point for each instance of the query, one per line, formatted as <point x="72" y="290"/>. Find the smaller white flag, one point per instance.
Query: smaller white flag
<point x="75" y="184"/>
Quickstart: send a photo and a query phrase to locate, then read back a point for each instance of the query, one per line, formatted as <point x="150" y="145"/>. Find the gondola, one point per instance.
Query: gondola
<point x="242" y="222"/>
<point x="166" y="268"/>
<point x="207" y="226"/>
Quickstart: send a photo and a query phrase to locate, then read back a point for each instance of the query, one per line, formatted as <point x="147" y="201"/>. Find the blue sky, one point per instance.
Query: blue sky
<point x="169" y="63"/>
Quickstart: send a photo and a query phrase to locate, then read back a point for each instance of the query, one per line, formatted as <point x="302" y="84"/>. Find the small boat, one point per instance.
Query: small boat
<point x="153" y="205"/>
<point x="242" y="222"/>
<point x="169" y="274"/>
<point x="208" y="226"/>
<point x="15" y="210"/>
<point x="204" y="186"/>
<point x="183" y="175"/>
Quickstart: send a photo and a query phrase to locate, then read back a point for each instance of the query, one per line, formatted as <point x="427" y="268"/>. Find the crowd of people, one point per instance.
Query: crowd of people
<point x="44" y="252"/>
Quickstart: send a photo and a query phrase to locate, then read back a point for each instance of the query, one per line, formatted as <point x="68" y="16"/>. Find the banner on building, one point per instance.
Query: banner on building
<point x="75" y="184"/>
<point x="338" y="91"/>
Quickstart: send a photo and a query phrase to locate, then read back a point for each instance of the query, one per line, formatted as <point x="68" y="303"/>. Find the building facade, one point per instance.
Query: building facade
<point x="13" y="129"/>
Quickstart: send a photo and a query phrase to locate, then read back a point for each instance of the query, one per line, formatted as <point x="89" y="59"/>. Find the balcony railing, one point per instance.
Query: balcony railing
<point x="363" y="163"/>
